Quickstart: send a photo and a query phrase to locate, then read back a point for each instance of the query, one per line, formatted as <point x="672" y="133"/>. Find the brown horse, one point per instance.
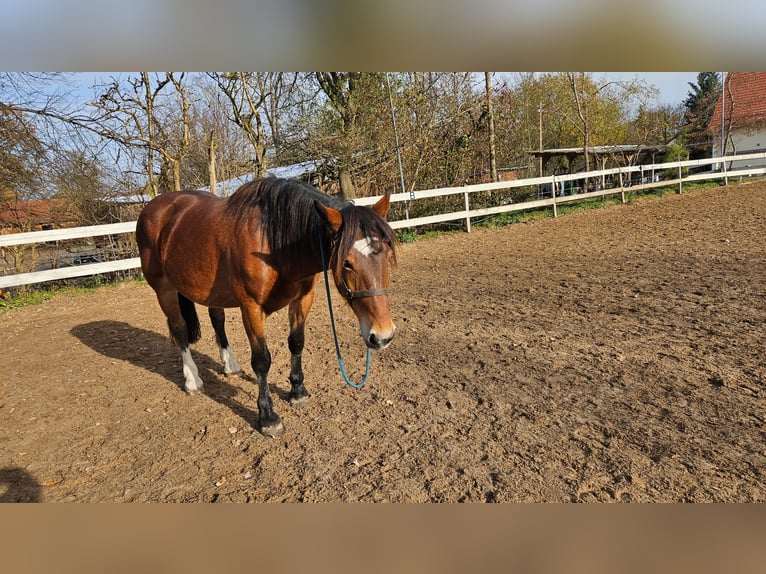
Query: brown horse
<point x="261" y="250"/>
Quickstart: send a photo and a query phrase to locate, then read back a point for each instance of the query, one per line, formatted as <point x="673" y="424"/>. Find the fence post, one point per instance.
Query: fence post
<point x="622" y="187"/>
<point x="468" y="217"/>
<point x="725" y="174"/>
<point x="553" y="195"/>
<point x="680" y="183"/>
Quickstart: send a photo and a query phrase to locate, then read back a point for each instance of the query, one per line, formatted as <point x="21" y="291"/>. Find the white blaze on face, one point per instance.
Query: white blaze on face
<point x="364" y="246"/>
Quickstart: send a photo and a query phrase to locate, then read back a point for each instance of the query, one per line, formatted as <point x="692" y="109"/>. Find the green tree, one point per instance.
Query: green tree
<point x="563" y="110"/>
<point x="698" y="109"/>
<point x="448" y="117"/>
<point x="659" y="125"/>
<point x="602" y="108"/>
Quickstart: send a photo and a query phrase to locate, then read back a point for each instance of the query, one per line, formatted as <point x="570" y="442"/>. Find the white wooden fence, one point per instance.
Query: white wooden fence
<point x="621" y="175"/>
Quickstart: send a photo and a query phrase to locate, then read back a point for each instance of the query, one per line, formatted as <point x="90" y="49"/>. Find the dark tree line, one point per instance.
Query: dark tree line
<point x="698" y="109"/>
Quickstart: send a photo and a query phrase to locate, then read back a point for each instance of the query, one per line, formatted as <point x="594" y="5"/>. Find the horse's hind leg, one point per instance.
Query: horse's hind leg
<point x="218" y="318"/>
<point x="184" y="329"/>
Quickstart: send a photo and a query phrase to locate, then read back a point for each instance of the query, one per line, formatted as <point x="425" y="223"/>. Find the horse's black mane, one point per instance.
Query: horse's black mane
<point x="292" y="225"/>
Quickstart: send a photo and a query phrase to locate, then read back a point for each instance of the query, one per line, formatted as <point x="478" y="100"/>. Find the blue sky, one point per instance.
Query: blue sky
<point x="673" y="86"/>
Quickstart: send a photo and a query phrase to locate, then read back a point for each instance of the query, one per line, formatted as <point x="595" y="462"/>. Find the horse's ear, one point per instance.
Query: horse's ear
<point x="332" y="217"/>
<point x="381" y="206"/>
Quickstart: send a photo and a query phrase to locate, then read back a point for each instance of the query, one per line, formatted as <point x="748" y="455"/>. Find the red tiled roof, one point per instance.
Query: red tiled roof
<point x="744" y="102"/>
<point x="33" y="213"/>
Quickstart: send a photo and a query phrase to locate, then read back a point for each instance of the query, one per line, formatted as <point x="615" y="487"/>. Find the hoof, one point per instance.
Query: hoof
<point x="274" y="429"/>
<point x="193" y="383"/>
<point x="194" y="391"/>
<point x="298" y="401"/>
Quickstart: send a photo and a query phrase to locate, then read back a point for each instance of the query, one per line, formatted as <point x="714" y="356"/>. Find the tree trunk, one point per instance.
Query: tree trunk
<point x="582" y="112"/>
<point x="211" y="145"/>
<point x="150" y="133"/>
<point x="346" y="184"/>
<point x="491" y="121"/>
<point x="176" y="175"/>
<point x="339" y="87"/>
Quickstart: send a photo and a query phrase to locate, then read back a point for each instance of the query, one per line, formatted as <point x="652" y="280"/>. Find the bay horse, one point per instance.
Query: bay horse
<point x="260" y="250"/>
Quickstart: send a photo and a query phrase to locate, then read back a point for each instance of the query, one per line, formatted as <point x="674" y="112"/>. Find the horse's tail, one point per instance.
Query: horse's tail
<point x="189" y="313"/>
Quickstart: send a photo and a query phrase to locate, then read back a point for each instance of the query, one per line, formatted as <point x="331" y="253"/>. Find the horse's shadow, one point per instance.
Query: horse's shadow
<point x="17" y="485"/>
<point x="155" y="353"/>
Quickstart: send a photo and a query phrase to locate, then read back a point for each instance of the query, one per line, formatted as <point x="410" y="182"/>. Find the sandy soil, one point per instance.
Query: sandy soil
<point x="607" y="355"/>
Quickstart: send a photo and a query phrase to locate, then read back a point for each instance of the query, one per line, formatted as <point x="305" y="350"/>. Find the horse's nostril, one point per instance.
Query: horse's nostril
<point x="376" y="342"/>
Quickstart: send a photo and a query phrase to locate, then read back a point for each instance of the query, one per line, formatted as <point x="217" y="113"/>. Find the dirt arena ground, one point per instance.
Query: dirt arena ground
<point x="608" y="355"/>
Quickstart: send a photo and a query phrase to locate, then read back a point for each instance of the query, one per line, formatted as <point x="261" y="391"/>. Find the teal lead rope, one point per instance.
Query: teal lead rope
<point x="346" y="378"/>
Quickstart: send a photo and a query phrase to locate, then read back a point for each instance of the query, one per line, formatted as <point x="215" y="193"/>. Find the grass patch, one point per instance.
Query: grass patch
<point x="703" y="184"/>
<point x="411" y="236"/>
<point x="406" y="236"/>
<point x="511" y="217"/>
<point x="660" y="191"/>
<point x="24" y="299"/>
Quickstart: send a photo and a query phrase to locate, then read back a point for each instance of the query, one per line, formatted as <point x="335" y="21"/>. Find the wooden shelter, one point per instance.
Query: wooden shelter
<point x="602" y="156"/>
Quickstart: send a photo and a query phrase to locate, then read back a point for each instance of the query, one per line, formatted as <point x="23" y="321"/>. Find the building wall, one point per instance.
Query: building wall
<point x="743" y="143"/>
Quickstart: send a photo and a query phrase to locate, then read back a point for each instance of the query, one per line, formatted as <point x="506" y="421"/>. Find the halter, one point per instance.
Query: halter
<point x="350" y="295"/>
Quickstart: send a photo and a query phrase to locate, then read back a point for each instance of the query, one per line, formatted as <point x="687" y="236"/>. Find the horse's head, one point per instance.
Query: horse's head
<point x="363" y="246"/>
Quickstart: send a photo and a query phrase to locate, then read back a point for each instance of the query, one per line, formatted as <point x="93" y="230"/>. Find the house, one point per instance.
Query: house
<point x="744" y="118"/>
<point x="35" y="215"/>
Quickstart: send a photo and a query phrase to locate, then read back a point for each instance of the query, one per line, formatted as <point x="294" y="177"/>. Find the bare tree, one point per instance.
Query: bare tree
<point x="135" y="117"/>
<point x="20" y="152"/>
<point x="174" y="148"/>
<point x="25" y="130"/>
<point x="340" y="89"/>
<point x="210" y="126"/>
<point x="138" y="116"/>
<point x="603" y="107"/>
<point x="582" y="97"/>
<point x="281" y="90"/>
<point x="246" y="102"/>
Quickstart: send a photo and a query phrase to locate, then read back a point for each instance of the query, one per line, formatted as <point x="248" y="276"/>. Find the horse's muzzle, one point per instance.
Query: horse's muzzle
<point x="377" y="342"/>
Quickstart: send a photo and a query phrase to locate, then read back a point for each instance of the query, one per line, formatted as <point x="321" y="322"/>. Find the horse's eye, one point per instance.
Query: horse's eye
<point x="347" y="266"/>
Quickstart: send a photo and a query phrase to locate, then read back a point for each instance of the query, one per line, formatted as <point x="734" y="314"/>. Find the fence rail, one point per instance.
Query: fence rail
<point x="624" y="176"/>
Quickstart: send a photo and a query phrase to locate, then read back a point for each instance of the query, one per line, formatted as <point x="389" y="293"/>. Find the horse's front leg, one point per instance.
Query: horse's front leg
<point x="298" y="311"/>
<point x="254" y="318"/>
